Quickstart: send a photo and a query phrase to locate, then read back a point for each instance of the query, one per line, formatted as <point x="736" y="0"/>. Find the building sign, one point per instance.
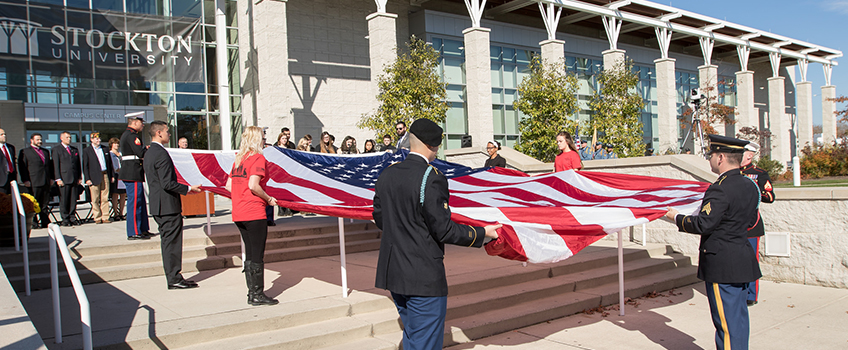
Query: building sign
<point x="102" y="45"/>
<point x="63" y="113"/>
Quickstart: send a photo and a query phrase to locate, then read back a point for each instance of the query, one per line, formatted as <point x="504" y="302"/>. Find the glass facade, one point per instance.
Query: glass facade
<point x="100" y="57"/>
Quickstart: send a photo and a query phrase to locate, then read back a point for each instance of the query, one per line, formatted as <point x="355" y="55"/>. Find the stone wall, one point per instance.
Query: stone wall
<point x="815" y="218"/>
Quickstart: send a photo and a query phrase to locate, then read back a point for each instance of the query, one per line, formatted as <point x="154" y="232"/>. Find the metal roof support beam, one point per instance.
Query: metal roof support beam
<point x="744" y="52"/>
<point x="550" y="15"/>
<point x="664" y="39"/>
<point x="774" y="58"/>
<point x="707" y="45"/>
<point x="612" y="25"/>
<point x="665" y="18"/>
<point x="828" y="71"/>
<point x="381" y="5"/>
<point x="475" y="10"/>
<point x="509" y="7"/>
<point x="683" y="29"/>
<point x="802" y="67"/>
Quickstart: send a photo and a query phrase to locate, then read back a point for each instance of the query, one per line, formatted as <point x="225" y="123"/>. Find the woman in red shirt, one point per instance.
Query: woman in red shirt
<point x="249" y="201"/>
<point x="568" y="157"/>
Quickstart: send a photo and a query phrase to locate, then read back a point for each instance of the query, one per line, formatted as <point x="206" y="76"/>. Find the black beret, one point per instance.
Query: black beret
<point x="724" y="144"/>
<point x="427" y="131"/>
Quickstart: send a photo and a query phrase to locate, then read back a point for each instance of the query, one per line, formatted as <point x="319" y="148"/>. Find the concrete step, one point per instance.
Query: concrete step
<point x="364" y="344"/>
<point x="503" y="319"/>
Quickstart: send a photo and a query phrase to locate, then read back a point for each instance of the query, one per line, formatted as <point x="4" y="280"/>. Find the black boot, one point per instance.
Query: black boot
<point x="256" y="294"/>
<point x="248" y="277"/>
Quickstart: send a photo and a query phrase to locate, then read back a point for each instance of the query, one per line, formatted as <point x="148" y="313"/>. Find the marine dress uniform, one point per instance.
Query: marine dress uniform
<point x="132" y="174"/>
<point x="726" y="262"/>
<point x="411" y="207"/>
<point x="761" y="177"/>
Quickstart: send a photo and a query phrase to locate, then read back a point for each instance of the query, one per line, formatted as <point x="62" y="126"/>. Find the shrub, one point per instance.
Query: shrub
<point x="773" y="167"/>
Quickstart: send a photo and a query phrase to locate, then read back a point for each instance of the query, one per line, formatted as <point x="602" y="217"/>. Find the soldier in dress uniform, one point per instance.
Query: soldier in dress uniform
<point x="411" y="207"/>
<point x="132" y="174"/>
<point x="761" y="177"/>
<point x="726" y="261"/>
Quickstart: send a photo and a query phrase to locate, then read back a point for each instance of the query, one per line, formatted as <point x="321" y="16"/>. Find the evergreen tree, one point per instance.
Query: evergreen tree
<point x="547" y="97"/>
<point x="616" y="109"/>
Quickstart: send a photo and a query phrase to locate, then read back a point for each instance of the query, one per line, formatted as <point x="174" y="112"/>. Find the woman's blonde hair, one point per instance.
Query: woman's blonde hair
<point x="252" y="142"/>
<point x="303" y="144"/>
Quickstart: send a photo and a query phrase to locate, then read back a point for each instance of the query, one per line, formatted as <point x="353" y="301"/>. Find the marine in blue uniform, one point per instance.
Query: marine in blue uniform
<point x="761" y="177"/>
<point x="726" y="261"/>
<point x="132" y="173"/>
<point x="411" y="207"/>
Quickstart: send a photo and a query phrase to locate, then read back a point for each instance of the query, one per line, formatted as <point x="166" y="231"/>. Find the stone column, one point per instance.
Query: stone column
<point x="746" y="112"/>
<point x="708" y="78"/>
<point x="804" y="110"/>
<point x="264" y="56"/>
<point x="612" y="57"/>
<point x="778" y="123"/>
<point x="828" y="114"/>
<point x="666" y="106"/>
<point x="553" y="51"/>
<point x="382" y="42"/>
<point x="478" y="82"/>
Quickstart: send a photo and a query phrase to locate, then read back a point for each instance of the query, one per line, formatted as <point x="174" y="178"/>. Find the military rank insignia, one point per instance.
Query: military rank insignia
<point x="767" y="187"/>
<point x="446" y="205"/>
<point x="706" y="208"/>
<point x="137" y="142"/>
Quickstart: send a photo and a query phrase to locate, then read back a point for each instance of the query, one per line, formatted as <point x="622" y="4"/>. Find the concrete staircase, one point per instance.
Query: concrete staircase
<point x="121" y="260"/>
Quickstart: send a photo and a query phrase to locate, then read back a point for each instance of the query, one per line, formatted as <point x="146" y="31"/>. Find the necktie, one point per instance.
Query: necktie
<point x="68" y="149"/>
<point x="8" y="160"/>
<point x="40" y="154"/>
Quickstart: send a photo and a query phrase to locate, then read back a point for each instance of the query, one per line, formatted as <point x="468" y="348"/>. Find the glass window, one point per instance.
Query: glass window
<point x="455" y="118"/>
<point x="186" y="8"/>
<point x="195" y="103"/>
<point x="108" y="5"/>
<point x="195" y="128"/>
<point x="150" y="7"/>
<point x="498" y="119"/>
<point x="454" y="72"/>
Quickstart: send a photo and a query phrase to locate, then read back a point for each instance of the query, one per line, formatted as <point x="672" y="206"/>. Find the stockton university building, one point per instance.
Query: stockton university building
<point x="312" y="65"/>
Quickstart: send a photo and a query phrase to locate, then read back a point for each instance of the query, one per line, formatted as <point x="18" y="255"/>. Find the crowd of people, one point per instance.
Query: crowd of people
<point x="327" y="142"/>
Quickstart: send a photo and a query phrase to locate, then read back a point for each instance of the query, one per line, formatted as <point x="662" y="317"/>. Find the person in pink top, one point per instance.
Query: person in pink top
<point x="246" y="182"/>
<point x="567" y="158"/>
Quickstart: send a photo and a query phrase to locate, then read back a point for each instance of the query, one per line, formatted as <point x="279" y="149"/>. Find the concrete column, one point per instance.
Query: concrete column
<point x="804" y="110"/>
<point x="612" y="58"/>
<point x="778" y="123"/>
<point x="382" y="42"/>
<point x="264" y="55"/>
<point x="553" y="51"/>
<point x="828" y="114"/>
<point x="666" y="106"/>
<point x="746" y="112"/>
<point x="478" y="82"/>
<point x="708" y="82"/>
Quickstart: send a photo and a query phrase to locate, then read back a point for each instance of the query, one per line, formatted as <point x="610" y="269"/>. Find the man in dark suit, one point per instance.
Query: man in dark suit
<point x="165" y="204"/>
<point x="68" y="174"/>
<point x="97" y="168"/>
<point x="36" y="169"/>
<point x="726" y="261"/>
<point x="416" y="224"/>
<point x="8" y="167"/>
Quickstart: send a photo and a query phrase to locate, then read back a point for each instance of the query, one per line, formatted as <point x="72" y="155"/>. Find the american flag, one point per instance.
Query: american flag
<point x="546" y="218"/>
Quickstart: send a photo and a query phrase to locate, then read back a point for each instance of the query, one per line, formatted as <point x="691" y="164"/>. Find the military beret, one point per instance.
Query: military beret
<point x="724" y="144"/>
<point x="427" y="131"/>
<point x="752" y="147"/>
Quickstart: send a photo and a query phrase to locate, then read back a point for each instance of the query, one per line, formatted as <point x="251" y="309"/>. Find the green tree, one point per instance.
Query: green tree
<point x="546" y="97"/>
<point x="617" y="108"/>
<point x="409" y="89"/>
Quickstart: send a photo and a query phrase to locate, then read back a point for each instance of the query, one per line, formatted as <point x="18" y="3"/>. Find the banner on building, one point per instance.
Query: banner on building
<point x="100" y="45"/>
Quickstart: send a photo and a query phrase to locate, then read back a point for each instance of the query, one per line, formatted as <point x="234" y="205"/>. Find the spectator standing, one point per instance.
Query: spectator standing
<point x="761" y="177"/>
<point x="611" y="152"/>
<point x="289" y="143"/>
<point x="599" y="153"/>
<point x="9" y="171"/>
<point x="97" y="168"/>
<point x="327" y="143"/>
<point x="494" y="158"/>
<point x="117" y="188"/>
<point x="585" y="151"/>
<point x="132" y="173"/>
<point x="369" y="146"/>
<point x="283" y="141"/>
<point x="246" y="183"/>
<point x="403" y="137"/>
<point x="166" y="205"/>
<point x="567" y="159"/>
<point x="387" y="144"/>
<point x="348" y="146"/>
<point x="726" y="262"/>
<point x="308" y="138"/>
<point x="36" y="169"/>
<point x="68" y="174"/>
<point x="182" y="143"/>
<point x="304" y="144"/>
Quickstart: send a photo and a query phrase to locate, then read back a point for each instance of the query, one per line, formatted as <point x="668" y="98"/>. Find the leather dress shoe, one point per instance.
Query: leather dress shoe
<point x="184" y="284"/>
<point x="137" y="237"/>
<point x="148" y="234"/>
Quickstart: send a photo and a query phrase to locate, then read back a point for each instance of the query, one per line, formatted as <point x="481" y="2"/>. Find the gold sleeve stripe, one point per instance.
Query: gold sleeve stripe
<point x="475" y="235"/>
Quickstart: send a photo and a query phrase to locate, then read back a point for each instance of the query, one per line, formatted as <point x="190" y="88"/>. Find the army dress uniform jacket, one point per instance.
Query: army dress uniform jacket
<point x="132" y="153"/>
<point x="761" y="177"/>
<point x="412" y="247"/>
<point x="728" y="210"/>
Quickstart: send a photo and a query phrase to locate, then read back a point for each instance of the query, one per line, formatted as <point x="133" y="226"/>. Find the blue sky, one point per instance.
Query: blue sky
<point x="823" y="22"/>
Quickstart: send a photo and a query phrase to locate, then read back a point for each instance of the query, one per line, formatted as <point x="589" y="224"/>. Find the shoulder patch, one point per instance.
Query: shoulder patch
<point x="767" y="187"/>
<point x="706" y="208"/>
<point x="137" y="142"/>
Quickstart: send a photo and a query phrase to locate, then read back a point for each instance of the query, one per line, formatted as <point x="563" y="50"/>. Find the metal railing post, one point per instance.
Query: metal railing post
<point x="342" y="257"/>
<point x="208" y="215"/>
<point x="82" y="298"/>
<point x="54" y="285"/>
<point x="19" y="221"/>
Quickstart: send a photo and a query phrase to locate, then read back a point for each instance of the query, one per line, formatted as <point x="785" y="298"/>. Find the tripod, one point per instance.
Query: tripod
<point x="696" y="128"/>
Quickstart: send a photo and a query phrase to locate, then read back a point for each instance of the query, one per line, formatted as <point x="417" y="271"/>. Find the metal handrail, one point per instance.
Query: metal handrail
<point x="55" y="234"/>
<point x="19" y="223"/>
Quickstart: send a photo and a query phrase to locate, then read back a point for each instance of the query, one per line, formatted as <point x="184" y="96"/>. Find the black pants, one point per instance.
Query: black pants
<point x="171" y="235"/>
<point x="42" y="196"/>
<point x="68" y="196"/>
<point x="254" y="233"/>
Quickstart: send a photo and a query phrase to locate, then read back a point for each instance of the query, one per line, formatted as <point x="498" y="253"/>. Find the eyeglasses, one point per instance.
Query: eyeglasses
<point x="489" y="147"/>
<point x="400" y="128"/>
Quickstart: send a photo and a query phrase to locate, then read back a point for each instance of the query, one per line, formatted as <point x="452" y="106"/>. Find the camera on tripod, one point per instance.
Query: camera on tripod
<point x="695" y="97"/>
